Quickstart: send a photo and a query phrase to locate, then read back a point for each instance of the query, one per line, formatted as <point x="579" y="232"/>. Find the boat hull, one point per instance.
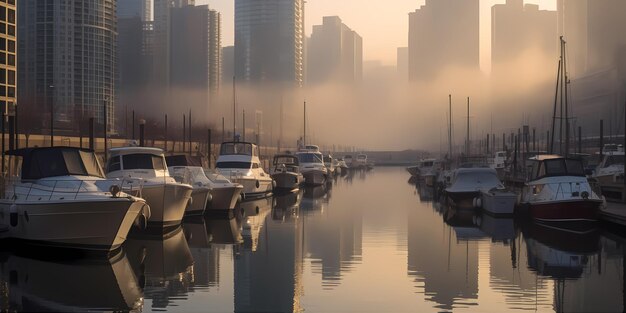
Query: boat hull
<point x="86" y="225"/>
<point x="566" y="211"/>
<point x="287" y="181"/>
<point x="314" y="177"/>
<point x="198" y="203"/>
<point x="224" y="198"/>
<point x="255" y="188"/>
<point x="167" y="203"/>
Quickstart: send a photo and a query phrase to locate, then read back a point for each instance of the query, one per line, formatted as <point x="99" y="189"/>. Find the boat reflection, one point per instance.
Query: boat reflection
<point x="164" y="264"/>
<point x="205" y="256"/>
<point x="64" y="284"/>
<point x="287" y="207"/>
<point x="253" y="220"/>
<point x="315" y="199"/>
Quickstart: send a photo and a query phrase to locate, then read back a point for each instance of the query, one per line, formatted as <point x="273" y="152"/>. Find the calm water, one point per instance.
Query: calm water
<point x="372" y="243"/>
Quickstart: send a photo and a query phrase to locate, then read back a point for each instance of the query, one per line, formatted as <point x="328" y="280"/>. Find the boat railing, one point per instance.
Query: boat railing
<point x="15" y="189"/>
<point x="566" y="190"/>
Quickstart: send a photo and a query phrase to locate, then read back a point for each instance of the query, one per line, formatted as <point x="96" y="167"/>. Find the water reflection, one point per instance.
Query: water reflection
<point x="39" y="283"/>
<point x="373" y="244"/>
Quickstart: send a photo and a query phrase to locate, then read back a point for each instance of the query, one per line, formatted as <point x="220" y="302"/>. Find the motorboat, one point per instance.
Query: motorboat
<point x="58" y="196"/>
<point x="610" y="171"/>
<point x="498" y="162"/>
<point x="342" y="167"/>
<point x="558" y="191"/>
<point x="286" y="172"/>
<point x="497" y="201"/>
<point x="429" y="170"/>
<point x="224" y="194"/>
<point x="360" y="161"/>
<point x="185" y="170"/>
<point x="413" y="170"/>
<point x="467" y="184"/>
<point x="348" y="160"/>
<point x="239" y="162"/>
<point x="312" y="167"/>
<point x="330" y="164"/>
<point x="146" y="167"/>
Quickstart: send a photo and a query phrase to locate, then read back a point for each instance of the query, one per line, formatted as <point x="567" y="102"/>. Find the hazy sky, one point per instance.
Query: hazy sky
<point x="382" y="24"/>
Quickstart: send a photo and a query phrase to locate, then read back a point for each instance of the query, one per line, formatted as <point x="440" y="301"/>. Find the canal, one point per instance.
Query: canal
<point x="373" y="242"/>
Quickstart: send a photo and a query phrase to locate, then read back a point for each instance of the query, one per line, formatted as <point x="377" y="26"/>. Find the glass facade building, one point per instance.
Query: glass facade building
<point x="8" y="58"/>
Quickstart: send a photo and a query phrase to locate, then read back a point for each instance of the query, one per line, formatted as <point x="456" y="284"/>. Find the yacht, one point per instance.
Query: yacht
<point x="224" y="194"/>
<point x="361" y="161"/>
<point x="186" y="171"/>
<point x="467" y="184"/>
<point x="342" y="167"/>
<point x="240" y="163"/>
<point x="498" y="162"/>
<point x="611" y="169"/>
<point x="429" y="170"/>
<point x="286" y="172"/>
<point x="348" y="160"/>
<point x="312" y="167"/>
<point x="58" y="196"/>
<point x="558" y="191"/>
<point x="146" y="167"/>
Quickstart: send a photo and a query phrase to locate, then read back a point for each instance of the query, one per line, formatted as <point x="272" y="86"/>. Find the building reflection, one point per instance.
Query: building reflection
<point x="164" y="264"/>
<point x="267" y="265"/>
<point x="68" y="283"/>
<point x="446" y="264"/>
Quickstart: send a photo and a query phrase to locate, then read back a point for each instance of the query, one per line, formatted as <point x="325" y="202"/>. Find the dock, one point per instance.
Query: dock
<point x="614" y="213"/>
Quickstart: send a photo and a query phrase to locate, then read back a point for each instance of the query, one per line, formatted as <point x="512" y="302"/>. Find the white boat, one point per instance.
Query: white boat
<point x="467" y="183"/>
<point x="342" y="166"/>
<point x="348" y="160"/>
<point x="239" y="162"/>
<point x="558" y="191"/>
<point x="360" y="161"/>
<point x="286" y="172"/>
<point x="224" y="194"/>
<point x="186" y="172"/>
<point x="498" y="201"/>
<point x="312" y="167"/>
<point x="141" y="166"/>
<point x="611" y="169"/>
<point x="58" y="196"/>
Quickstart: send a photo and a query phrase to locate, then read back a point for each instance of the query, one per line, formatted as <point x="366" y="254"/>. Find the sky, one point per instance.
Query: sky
<point x="382" y="24"/>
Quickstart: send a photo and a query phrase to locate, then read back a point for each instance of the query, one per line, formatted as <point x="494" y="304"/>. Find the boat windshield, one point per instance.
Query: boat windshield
<point x="614" y="160"/>
<point x="561" y="167"/>
<point x="61" y="162"/>
<point x="143" y="161"/>
<point x="287" y="160"/>
<point x="478" y="177"/>
<point x="236" y="165"/>
<point x="428" y="164"/>
<point x="310" y="158"/>
<point x="236" y="148"/>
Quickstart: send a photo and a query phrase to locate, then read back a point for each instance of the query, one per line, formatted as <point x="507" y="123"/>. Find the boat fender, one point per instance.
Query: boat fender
<point x="479" y="202"/>
<point x="274" y="183"/>
<point x="209" y="198"/>
<point x="13" y="215"/>
<point x="585" y="195"/>
<point x="142" y="219"/>
<point x="258" y="184"/>
<point x="190" y="201"/>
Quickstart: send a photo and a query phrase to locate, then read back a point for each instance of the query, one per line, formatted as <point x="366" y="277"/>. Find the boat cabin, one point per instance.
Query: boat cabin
<point x="553" y="166"/>
<point x="137" y="159"/>
<point x="290" y="162"/>
<point x="38" y="163"/>
<point x="239" y="148"/>
<point x="238" y="155"/>
<point x="183" y="160"/>
<point x="310" y="157"/>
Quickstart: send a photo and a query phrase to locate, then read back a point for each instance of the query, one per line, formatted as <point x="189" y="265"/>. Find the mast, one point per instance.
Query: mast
<point x="304" y="139"/>
<point x="556" y="97"/>
<point x="565" y="83"/>
<point x="467" y="144"/>
<point x="450" y="126"/>
<point x="234" y="109"/>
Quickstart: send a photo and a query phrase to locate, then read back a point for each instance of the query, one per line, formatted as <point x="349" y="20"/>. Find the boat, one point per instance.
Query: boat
<point x="360" y="161"/>
<point x="239" y="162"/>
<point x="312" y="167"/>
<point x="330" y="164"/>
<point x="286" y="172"/>
<point x="498" y="162"/>
<point x="58" y="197"/>
<point x="186" y="171"/>
<point x="224" y="194"/>
<point x="558" y="191"/>
<point x="610" y="171"/>
<point x="467" y="184"/>
<point x="429" y="170"/>
<point x="348" y="160"/>
<point x="413" y="170"/>
<point x="142" y="166"/>
<point x="498" y="201"/>
<point x="342" y="167"/>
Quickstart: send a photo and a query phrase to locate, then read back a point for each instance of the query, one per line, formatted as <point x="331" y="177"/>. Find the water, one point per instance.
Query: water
<point x="371" y="243"/>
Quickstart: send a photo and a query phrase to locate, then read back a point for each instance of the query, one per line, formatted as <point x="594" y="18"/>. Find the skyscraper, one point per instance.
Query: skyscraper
<point x="135" y="8"/>
<point x="443" y="33"/>
<point x="8" y="70"/>
<point x="516" y="27"/>
<point x="269" y="41"/>
<point x="335" y="53"/>
<point x="67" y="59"/>
<point x="402" y="63"/>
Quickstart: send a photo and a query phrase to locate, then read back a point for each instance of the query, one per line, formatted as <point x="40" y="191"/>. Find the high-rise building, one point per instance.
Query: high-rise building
<point x="516" y="27"/>
<point x="335" y="53"/>
<point x="228" y="64"/>
<point x="8" y="46"/>
<point x="135" y="8"/>
<point x="443" y="33"/>
<point x="269" y="41"/>
<point x="67" y="59"/>
<point x="402" y="63"/>
<point x="195" y="54"/>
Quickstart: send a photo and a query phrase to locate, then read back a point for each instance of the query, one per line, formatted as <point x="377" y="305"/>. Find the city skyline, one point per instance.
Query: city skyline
<point x="377" y="45"/>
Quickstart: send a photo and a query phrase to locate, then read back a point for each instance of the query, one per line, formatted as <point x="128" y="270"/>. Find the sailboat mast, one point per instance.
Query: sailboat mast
<point x="565" y="95"/>
<point x="467" y="144"/>
<point x="234" y="109"/>
<point x="450" y="126"/>
<point x="556" y="98"/>
<point x="304" y="139"/>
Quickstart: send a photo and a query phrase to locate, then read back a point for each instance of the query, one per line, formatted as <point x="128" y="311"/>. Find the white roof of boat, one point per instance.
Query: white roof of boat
<point x="135" y="150"/>
<point x="543" y="157"/>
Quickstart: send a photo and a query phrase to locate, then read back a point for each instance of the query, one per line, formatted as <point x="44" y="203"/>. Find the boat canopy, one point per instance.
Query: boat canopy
<point x="554" y="165"/>
<point x="239" y="148"/>
<point x="286" y="159"/>
<point x="47" y="162"/>
<point x="310" y="157"/>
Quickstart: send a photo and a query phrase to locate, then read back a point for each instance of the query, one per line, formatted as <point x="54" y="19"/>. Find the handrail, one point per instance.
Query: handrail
<point x="62" y="189"/>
